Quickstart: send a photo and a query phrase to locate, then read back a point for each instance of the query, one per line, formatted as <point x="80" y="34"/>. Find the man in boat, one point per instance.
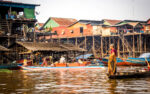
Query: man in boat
<point x="112" y="61"/>
<point x="44" y="62"/>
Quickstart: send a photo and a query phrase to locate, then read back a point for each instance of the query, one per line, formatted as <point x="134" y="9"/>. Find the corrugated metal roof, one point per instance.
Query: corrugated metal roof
<point x="92" y="22"/>
<point x="41" y="46"/>
<point x="64" y="21"/>
<point x="17" y="4"/>
<point x="112" y="22"/>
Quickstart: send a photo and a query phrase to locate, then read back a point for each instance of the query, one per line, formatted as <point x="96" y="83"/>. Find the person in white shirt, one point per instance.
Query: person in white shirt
<point x="62" y="60"/>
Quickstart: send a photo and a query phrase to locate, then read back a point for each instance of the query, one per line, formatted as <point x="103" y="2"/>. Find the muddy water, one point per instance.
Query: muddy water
<point x="91" y="81"/>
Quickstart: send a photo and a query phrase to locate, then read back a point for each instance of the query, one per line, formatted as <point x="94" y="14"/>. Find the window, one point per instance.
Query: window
<point x="63" y="32"/>
<point x="81" y="29"/>
<point x="55" y="32"/>
<point x="147" y="27"/>
<point x="72" y="31"/>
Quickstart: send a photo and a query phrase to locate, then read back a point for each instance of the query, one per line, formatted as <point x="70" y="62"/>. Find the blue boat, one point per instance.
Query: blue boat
<point x="141" y="60"/>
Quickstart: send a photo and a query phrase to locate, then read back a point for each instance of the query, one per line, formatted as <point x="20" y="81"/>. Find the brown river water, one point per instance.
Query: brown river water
<point x="89" y="81"/>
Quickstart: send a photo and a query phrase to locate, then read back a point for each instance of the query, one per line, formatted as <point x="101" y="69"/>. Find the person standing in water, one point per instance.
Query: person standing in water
<point x="112" y="69"/>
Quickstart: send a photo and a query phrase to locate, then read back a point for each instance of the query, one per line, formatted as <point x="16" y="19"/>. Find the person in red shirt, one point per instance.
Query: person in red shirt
<point x="44" y="62"/>
<point x="112" y="61"/>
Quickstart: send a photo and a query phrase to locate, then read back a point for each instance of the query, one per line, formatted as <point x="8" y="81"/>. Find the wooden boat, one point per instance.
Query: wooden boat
<point x="10" y="66"/>
<point x="128" y="62"/>
<point x="56" y="68"/>
<point x="120" y="62"/>
<point x="136" y="61"/>
<point x="135" y="74"/>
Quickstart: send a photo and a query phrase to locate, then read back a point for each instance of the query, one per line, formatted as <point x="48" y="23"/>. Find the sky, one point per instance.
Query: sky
<point x="92" y="9"/>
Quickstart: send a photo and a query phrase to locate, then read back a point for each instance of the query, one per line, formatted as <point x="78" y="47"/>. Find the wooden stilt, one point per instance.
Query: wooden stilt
<point x="118" y="47"/>
<point x="133" y="46"/>
<point x="101" y="46"/>
<point x="145" y="44"/>
<point x="123" y="47"/>
<point x="140" y="44"/>
<point x="85" y="43"/>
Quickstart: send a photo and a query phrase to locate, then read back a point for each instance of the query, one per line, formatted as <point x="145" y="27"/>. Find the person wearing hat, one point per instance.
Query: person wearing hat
<point x="112" y="60"/>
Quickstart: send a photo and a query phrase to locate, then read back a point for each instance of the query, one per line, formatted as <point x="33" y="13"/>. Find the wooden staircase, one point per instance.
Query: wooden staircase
<point x="4" y="27"/>
<point x="126" y="43"/>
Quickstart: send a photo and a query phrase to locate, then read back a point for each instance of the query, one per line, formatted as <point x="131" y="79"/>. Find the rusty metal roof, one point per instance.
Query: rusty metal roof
<point x="64" y="21"/>
<point x="42" y="46"/>
<point x="112" y="22"/>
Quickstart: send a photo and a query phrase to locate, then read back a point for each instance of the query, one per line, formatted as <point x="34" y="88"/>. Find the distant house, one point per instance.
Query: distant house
<point x="107" y="27"/>
<point x="58" y="22"/>
<point x="147" y="26"/>
<point x="16" y="19"/>
<point x="130" y="26"/>
<point x="58" y="26"/>
<point x="84" y="28"/>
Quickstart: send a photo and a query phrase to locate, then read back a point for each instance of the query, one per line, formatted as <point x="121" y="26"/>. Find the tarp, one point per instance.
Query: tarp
<point x="29" y="13"/>
<point x="86" y="56"/>
<point x="17" y="5"/>
<point x="145" y="55"/>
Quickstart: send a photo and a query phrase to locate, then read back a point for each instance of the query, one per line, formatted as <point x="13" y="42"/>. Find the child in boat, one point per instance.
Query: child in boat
<point x="44" y="62"/>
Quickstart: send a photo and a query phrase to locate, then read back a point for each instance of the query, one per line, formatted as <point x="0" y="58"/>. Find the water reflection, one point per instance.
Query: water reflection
<point x="70" y="82"/>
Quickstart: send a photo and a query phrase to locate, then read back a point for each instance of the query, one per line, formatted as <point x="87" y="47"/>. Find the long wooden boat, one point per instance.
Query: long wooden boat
<point x="137" y="61"/>
<point x="128" y="62"/>
<point x="135" y="74"/>
<point x="56" y="68"/>
<point x="120" y="62"/>
<point x="10" y="66"/>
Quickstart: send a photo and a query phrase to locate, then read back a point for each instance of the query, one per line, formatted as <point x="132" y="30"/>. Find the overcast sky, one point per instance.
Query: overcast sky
<point x="92" y="9"/>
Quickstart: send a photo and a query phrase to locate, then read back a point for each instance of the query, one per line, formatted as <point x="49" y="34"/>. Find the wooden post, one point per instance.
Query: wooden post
<point x="76" y="41"/>
<point x="133" y="46"/>
<point x="118" y="47"/>
<point x="137" y="44"/>
<point x="145" y="44"/>
<point x="93" y="43"/>
<point x="140" y="44"/>
<point x="67" y="40"/>
<point x="85" y="43"/>
<point x="101" y="46"/>
<point x="123" y="46"/>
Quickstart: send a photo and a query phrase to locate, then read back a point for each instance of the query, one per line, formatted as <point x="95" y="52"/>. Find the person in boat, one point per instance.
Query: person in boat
<point x="44" y="62"/>
<point x="80" y="61"/>
<point x="25" y="62"/>
<point x="62" y="59"/>
<point x="112" y="61"/>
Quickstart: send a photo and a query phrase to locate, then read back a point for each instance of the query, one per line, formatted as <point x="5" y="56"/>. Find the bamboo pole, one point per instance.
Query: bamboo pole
<point x="133" y="46"/>
<point x="76" y="41"/>
<point x="140" y="44"/>
<point x="118" y="47"/>
<point x="85" y="42"/>
<point x="145" y="44"/>
<point x="101" y="46"/>
<point x="123" y="46"/>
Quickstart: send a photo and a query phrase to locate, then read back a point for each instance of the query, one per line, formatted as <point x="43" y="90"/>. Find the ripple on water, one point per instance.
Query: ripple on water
<point x="71" y="81"/>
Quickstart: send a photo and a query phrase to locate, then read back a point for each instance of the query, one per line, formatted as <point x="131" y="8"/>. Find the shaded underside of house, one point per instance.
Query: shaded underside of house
<point x="41" y="46"/>
<point x="3" y="48"/>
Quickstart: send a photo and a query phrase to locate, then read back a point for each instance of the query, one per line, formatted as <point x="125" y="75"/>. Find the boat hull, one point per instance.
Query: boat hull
<point x="57" y="68"/>
<point x="136" y="74"/>
<point x="12" y="67"/>
<point x="128" y="62"/>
